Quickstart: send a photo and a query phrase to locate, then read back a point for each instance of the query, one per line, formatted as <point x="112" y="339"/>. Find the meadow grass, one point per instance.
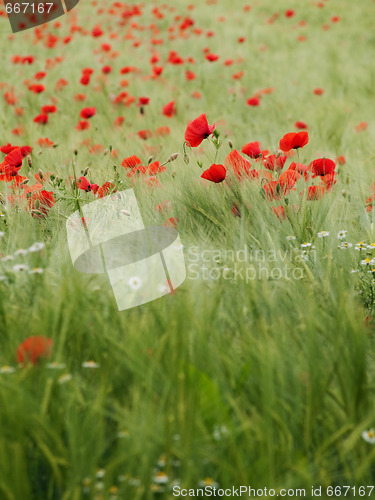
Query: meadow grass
<point x="267" y="382"/>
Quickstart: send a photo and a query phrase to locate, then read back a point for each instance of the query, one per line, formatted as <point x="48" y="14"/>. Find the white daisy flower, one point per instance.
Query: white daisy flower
<point x="64" y="378"/>
<point x="208" y="481"/>
<point x="7" y="258"/>
<point x="371" y="246"/>
<point x="56" y="366"/>
<point x="304" y="256"/>
<point x="290" y="238"/>
<point x="36" y="247"/>
<point x="100" y="473"/>
<point x="20" y="251"/>
<point x="7" y="369"/>
<point x="20" y="267"/>
<point x="365" y="262"/>
<point x="323" y="234"/>
<point x="344" y="245"/>
<point x="360" y="246"/>
<point x="160" y="478"/>
<point x="369" y="436"/>
<point x="36" y="270"/>
<point x="134" y="282"/>
<point x="220" y="432"/>
<point x="305" y="245"/>
<point x="342" y="234"/>
<point x="90" y="364"/>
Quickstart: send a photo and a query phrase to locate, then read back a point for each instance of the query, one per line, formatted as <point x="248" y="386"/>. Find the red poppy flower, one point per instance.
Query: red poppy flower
<point x="83" y="183"/>
<point x="279" y="212"/>
<point x="198" y="130"/>
<point x="37" y="88"/>
<point x="144" y="134"/>
<point x="252" y="149"/>
<point x="294" y="140"/>
<point x="288" y="179"/>
<point x="300" y="125"/>
<point x="162" y="131"/>
<point x="318" y="91"/>
<point x="289" y="13"/>
<point x="169" y="109"/>
<point x="42" y="118"/>
<point x="97" y="31"/>
<point x="273" y="163"/>
<point x="44" y="142"/>
<point x="300" y="168"/>
<point x="83" y="125"/>
<point x="33" y="349"/>
<point x="108" y="187"/>
<point x="8" y="148"/>
<point x="216" y="173"/>
<point x="117" y="122"/>
<point x="87" y="112"/>
<point x="272" y="190"/>
<point x="143" y="101"/>
<point x="172" y="221"/>
<point x="239" y="165"/>
<point x="322" y="166"/>
<point x="10" y="98"/>
<point x="85" y="79"/>
<point x="361" y="126"/>
<point x="131" y="162"/>
<point x="189" y="75"/>
<point x="48" y="109"/>
<point x="315" y="193"/>
<point x="212" y="57"/>
<point x="253" y="101"/>
<point x="13" y="160"/>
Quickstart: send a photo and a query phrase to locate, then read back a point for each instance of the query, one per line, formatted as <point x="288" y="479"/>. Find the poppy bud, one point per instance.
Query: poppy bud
<point x="279" y="153"/>
<point x="86" y="171"/>
<point x="105" y="152"/>
<point x="173" y="157"/>
<point x="174" y="174"/>
<point x="186" y="159"/>
<point x="230" y="143"/>
<point x="23" y="183"/>
<point x="343" y="192"/>
<point x="37" y="212"/>
<point x="29" y="161"/>
<point x="76" y="152"/>
<point x="36" y="204"/>
<point x="40" y="172"/>
<point x="150" y="160"/>
<point x="110" y="148"/>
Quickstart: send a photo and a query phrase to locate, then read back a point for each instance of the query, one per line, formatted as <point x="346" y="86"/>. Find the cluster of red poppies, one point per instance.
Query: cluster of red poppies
<point x="267" y="168"/>
<point x="38" y="200"/>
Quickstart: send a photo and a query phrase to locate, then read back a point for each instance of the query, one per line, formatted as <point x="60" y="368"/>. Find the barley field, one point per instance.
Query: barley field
<point x="248" y="128"/>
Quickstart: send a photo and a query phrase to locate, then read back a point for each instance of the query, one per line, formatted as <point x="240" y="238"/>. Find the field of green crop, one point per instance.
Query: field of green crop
<point x="259" y="370"/>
